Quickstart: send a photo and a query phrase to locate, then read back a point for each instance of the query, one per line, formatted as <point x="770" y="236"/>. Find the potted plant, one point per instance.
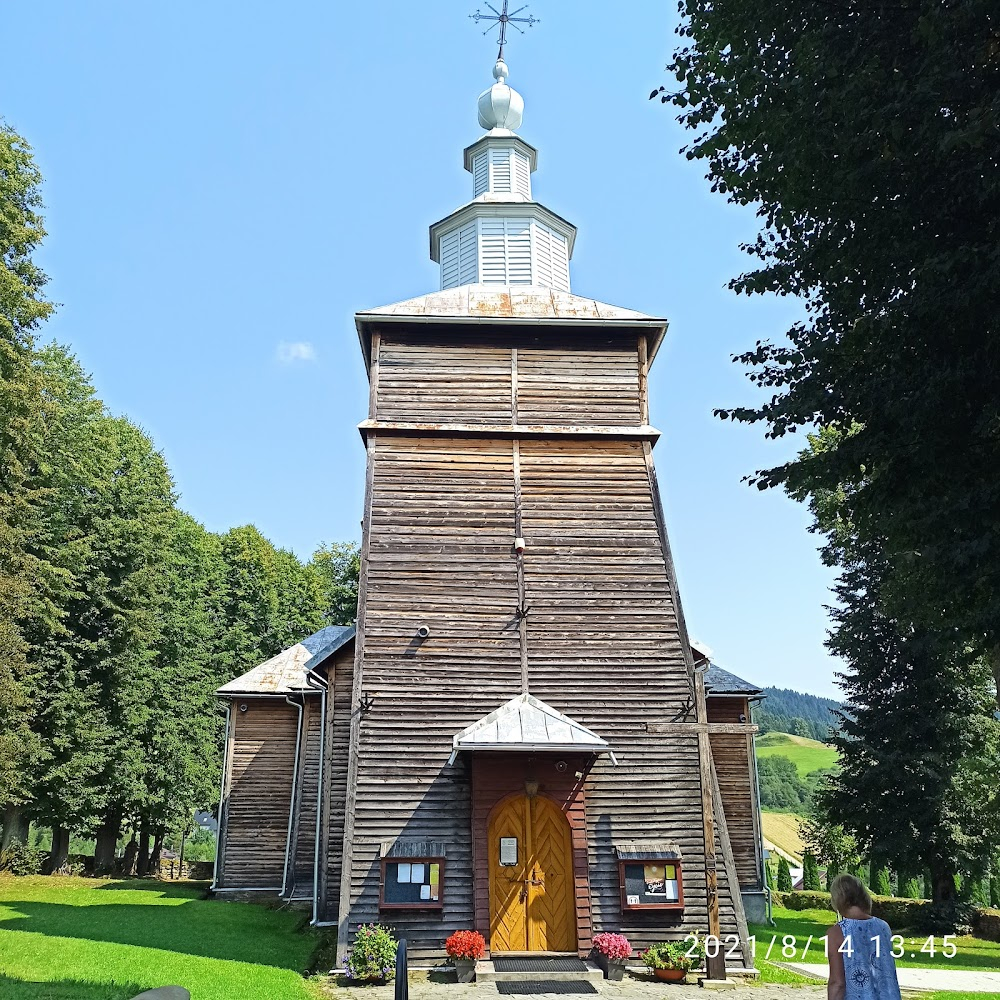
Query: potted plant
<point x="672" y="960"/>
<point x="465" y="948"/>
<point x="610" y="953"/>
<point x="373" y="955"/>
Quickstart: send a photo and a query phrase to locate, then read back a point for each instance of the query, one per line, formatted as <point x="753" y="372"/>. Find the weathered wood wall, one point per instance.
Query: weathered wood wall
<point x="302" y="857"/>
<point x="602" y="641"/>
<point x="258" y="794"/>
<point x="340" y="675"/>
<point x="737" y="784"/>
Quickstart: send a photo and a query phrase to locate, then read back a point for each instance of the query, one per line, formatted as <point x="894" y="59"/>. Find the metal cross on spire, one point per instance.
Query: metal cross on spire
<point x="500" y="18"/>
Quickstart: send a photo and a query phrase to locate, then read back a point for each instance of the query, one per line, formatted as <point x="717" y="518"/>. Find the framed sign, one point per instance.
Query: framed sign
<point x="412" y="884"/>
<point x="651" y="884"/>
<point x="508" y="851"/>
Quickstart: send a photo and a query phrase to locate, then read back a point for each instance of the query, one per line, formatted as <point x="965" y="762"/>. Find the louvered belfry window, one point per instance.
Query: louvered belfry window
<point x="480" y="173"/>
<point x="458" y="257"/>
<point x="505" y="248"/>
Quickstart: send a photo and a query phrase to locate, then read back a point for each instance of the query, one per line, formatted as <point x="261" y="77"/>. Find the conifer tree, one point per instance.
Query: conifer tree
<point x="784" y="876"/>
<point x="810" y="873"/>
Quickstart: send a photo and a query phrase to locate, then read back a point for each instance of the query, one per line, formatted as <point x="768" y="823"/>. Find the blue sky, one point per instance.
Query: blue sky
<point x="227" y="183"/>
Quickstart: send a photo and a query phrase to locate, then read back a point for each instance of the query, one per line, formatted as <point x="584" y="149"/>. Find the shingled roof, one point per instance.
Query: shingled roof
<point x="286" y="672"/>
<point x="719" y="681"/>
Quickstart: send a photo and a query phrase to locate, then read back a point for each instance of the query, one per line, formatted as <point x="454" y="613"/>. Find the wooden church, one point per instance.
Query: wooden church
<point x="519" y="738"/>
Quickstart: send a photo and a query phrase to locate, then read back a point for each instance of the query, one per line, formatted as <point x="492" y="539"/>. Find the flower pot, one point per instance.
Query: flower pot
<point x="671" y="975"/>
<point x="465" y="969"/>
<point x="613" y="970"/>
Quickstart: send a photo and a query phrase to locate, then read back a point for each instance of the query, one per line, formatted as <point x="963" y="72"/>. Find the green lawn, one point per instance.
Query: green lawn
<point x="92" y="939"/>
<point x="807" y="755"/>
<point x="973" y="953"/>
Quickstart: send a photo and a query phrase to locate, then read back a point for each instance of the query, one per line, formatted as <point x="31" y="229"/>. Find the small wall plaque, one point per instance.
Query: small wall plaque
<point x="508" y="851"/>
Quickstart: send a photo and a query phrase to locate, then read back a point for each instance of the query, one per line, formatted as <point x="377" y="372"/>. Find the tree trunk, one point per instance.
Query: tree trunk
<point x="943" y="884"/>
<point x="59" y="854"/>
<point x="154" y="858"/>
<point x="15" y="827"/>
<point x="128" y="861"/>
<point x="106" y="850"/>
<point x="142" y="859"/>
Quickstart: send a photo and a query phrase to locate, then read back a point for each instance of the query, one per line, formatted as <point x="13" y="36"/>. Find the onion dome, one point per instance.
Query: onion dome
<point x="501" y="106"/>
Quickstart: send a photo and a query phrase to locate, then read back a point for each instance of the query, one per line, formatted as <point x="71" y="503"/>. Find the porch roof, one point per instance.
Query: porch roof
<point x="525" y="723"/>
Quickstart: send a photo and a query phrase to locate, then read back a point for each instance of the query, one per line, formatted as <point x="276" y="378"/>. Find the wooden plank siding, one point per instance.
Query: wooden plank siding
<point x="737" y="784"/>
<point x="259" y="793"/>
<point x="335" y="767"/>
<point x="456" y="379"/>
<point x="603" y="638"/>
<point x="302" y="856"/>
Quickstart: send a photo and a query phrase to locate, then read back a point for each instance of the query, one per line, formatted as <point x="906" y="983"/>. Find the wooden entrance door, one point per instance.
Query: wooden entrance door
<point x="532" y="899"/>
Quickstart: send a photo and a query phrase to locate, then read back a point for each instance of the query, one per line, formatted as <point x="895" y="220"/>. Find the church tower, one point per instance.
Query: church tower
<point x="523" y="745"/>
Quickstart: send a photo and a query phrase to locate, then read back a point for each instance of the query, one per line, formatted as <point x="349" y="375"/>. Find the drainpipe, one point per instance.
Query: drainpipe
<point x="315" y="681"/>
<point x="291" y="804"/>
<point x="222" y="798"/>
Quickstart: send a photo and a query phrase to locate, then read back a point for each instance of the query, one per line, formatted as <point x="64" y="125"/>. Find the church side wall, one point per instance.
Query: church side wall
<point x="259" y="793"/>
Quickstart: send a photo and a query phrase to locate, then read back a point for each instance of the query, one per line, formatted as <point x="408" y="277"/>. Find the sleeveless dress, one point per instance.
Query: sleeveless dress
<point x="870" y="972"/>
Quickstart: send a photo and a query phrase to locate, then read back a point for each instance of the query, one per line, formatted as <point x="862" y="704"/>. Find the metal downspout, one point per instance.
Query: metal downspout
<point x="222" y="798"/>
<point x="291" y="804"/>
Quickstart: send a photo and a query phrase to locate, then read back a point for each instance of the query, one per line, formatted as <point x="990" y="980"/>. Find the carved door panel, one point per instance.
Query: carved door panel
<point x="531" y="900"/>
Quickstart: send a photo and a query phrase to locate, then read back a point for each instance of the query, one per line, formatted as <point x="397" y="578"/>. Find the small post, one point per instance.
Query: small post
<point x="402" y="973"/>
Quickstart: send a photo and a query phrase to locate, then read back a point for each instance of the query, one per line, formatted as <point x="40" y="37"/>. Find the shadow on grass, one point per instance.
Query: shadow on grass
<point x="208" y="929"/>
<point x="66" y="989"/>
<point x="171" y="890"/>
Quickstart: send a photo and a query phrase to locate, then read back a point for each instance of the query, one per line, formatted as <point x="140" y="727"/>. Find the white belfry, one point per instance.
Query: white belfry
<point x="502" y="237"/>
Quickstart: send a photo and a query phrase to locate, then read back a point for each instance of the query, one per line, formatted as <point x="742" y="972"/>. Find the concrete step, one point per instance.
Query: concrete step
<point x="486" y="973"/>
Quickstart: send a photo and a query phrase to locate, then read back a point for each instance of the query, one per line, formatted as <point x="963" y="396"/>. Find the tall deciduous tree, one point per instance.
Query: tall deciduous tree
<point x="919" y="743"/>
<point x="339" y="567"/>
<point x="22" y="308"/>
<point x="865" y="134"/>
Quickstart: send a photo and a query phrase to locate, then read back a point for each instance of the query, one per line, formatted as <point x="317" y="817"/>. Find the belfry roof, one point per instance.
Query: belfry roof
<point x="509" y="305"/>
<point x="525" y="723"/>
<point x="286" y="672"/>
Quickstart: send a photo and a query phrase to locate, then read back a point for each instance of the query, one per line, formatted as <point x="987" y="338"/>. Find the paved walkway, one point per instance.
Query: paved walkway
<point x="442" y="986"/>
<point x="962" y="980"/>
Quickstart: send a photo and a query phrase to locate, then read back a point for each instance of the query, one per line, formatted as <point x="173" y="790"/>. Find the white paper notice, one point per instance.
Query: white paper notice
<point x="417" y="872"/>
<point x="672" y="891"/>
<point x="632" y="900"/>
<point x="403" y="872"/>
<point x="425" y="892"/>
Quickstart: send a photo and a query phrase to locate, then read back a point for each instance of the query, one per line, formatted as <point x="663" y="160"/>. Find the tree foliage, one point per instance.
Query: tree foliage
<point x="22" y="308"/>
<point x="865" y="134"/>
<point x="784" y="876"/>
<point x="120" y="615"/>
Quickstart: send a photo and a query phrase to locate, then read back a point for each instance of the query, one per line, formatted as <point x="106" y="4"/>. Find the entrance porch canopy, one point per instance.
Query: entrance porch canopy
<point x="526" y="724"/>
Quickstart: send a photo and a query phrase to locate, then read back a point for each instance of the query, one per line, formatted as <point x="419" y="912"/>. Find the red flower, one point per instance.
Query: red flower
<point x="466" y="944"/>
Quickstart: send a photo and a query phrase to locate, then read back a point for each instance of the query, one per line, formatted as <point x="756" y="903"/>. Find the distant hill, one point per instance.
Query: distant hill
<point x="807" y="755"/>
<point x="787" y="711"/>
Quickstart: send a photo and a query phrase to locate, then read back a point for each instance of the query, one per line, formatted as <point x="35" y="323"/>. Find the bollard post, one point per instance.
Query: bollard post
<point x="402" y="977"/>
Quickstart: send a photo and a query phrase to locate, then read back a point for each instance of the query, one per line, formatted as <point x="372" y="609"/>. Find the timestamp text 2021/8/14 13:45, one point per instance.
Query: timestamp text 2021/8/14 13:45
<point x="789" y="945"/>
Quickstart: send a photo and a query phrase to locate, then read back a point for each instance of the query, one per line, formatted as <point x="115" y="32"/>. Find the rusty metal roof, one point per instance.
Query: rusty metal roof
<point x="509" y="305"/>
<point x="286" y="672"/>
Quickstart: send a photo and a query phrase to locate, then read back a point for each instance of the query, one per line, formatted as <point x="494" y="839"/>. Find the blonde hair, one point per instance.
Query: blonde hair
<point x="847" y="891"/>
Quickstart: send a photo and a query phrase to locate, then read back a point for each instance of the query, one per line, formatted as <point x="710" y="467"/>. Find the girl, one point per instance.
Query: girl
<point x="859" y="947"/>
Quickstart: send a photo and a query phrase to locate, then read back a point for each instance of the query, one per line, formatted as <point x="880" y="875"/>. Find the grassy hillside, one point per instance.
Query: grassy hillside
<point x="782" y="830"/>
<point x="807" y="755"/>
